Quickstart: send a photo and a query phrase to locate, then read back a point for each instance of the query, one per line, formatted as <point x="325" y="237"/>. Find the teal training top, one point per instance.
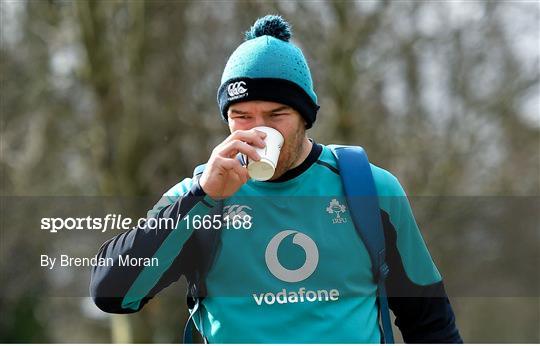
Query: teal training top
<point x="291" y="267"/>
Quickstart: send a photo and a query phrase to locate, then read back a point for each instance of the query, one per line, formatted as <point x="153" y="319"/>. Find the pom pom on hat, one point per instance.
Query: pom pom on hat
<point x="271" y="25"/>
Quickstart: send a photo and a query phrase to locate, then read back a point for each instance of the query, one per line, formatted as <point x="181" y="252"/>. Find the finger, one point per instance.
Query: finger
<point x="239" y="177"/>
<point x="233" y="167"/>
<point x="244" y="174"/>
<point x="241" y="172"/>
<point x="231" y="149"/>
<point x="253" y="137"/>
<point x="230" y="165"/>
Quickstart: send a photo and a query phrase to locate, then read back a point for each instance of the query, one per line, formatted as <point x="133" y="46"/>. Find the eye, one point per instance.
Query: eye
<point x="243" y="117"/>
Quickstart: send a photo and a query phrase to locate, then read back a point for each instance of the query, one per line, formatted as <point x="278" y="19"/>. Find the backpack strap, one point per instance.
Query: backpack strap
<point x="199" y="251"/>
<point x="188" y="327"/>
<point x="362" y="198"/>
<point x="199" y="170"/>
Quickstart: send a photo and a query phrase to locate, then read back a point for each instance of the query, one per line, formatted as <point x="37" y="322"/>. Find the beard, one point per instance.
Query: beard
<point x="290" y="152"/>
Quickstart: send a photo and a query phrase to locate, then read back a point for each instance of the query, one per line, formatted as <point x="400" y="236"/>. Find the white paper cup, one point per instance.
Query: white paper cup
<point x="264" y="168"/>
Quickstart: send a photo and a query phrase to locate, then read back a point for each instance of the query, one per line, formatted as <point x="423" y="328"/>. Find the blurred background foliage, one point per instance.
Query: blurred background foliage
<point x="118" y="98"/>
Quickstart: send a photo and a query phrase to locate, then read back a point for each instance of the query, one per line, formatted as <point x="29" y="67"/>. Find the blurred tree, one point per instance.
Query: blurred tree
<point x="117" y="98"/>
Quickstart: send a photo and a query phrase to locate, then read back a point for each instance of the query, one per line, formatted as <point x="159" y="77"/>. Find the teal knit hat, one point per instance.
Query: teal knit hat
<point x="268" y="67"/>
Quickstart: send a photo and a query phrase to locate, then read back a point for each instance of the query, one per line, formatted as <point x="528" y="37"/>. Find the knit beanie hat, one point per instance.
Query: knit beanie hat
<point x="267" y="67"/>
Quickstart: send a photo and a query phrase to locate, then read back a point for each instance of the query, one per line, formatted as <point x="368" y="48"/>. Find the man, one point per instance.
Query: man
<point x="259" y="287"/>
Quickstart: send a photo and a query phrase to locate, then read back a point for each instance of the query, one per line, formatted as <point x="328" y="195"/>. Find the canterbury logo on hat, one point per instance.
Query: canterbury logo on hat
<point x="237" y="90"/>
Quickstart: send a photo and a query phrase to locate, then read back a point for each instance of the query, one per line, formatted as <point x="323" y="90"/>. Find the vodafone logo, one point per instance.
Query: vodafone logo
<point x="303" y="294"/>
<point x="288" y="275"/>
<point x="236" y="89"/>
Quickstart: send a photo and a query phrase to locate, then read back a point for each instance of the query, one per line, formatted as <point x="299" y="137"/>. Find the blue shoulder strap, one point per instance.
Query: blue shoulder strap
<point x="363" y="202"/>
<point x="199" y="169"/>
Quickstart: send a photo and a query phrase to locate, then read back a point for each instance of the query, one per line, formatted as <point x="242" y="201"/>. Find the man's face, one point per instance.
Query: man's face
<point x="249" y="114"/>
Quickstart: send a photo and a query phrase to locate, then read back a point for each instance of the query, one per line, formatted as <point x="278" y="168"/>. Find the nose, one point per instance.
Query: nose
<point x="260" y="121"/>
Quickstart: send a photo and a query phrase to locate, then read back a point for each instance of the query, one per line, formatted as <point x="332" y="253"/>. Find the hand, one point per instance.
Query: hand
<point x="223" y="174"/>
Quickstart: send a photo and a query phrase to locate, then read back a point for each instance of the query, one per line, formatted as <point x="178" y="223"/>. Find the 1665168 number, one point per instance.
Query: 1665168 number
<point x="218" y="221"/>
